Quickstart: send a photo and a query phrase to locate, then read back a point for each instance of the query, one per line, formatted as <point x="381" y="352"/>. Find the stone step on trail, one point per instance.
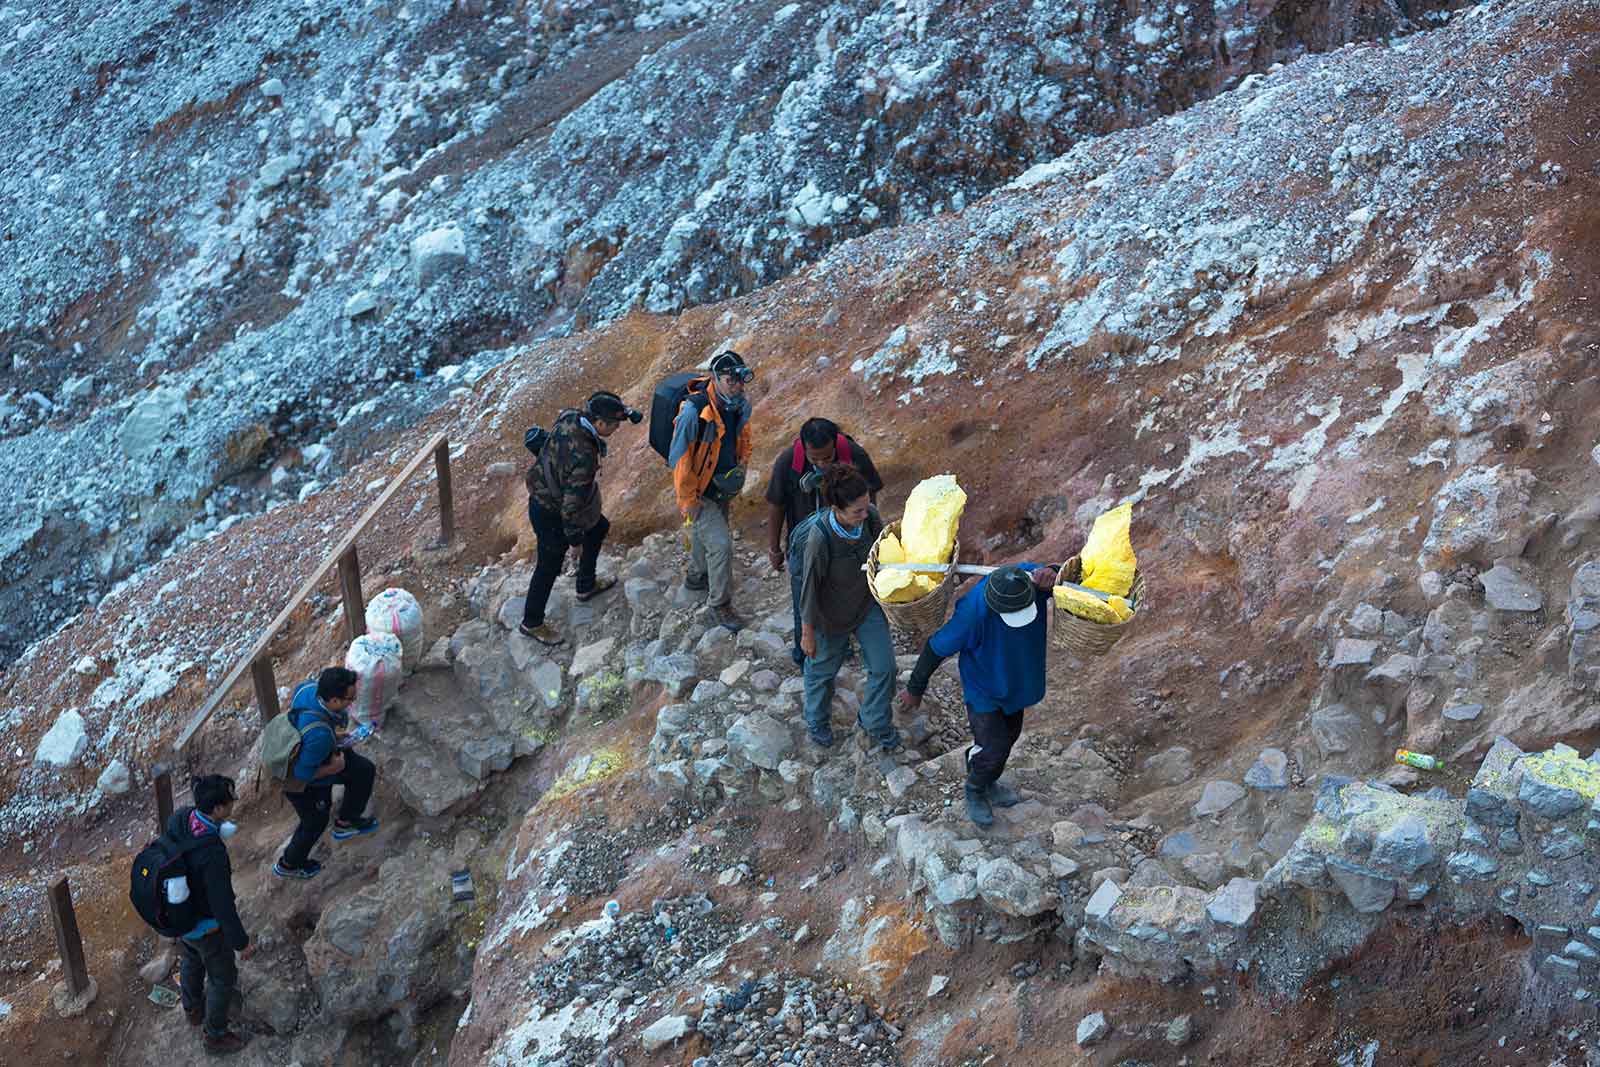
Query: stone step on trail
<point x="438" y="746"/>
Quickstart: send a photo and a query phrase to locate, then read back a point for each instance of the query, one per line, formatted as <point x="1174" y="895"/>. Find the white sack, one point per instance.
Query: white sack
<point x="395" y="611"/>
<point x="377" y="661"/>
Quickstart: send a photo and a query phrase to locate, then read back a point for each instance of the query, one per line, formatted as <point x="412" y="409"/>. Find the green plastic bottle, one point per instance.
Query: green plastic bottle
<point x="1419" y="760"/>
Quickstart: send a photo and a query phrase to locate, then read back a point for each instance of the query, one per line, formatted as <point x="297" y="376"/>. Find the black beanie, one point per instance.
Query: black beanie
<point x="607" y="406"/>
<point x="1009" y="589"/>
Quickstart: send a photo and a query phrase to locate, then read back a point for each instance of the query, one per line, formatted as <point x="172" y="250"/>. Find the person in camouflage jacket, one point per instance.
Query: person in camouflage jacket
<point x="564" y="505"/>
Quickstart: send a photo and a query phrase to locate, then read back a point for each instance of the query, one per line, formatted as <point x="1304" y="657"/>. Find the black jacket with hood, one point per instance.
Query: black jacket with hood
<point x="210" y="879"/>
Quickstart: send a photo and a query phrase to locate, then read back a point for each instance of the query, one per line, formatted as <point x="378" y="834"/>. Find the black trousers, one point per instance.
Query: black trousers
<point x="207" y="974"/>
<point x="995" y="732"/>
<point x="552" y="550"/>
<point x="312" y="805"/>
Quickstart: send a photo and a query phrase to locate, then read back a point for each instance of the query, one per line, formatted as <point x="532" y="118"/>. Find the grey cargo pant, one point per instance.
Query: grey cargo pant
<point x="711" y="551"/>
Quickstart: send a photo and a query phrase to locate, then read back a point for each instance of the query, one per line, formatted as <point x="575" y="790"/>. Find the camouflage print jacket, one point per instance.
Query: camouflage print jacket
<point x="563" y="479"/>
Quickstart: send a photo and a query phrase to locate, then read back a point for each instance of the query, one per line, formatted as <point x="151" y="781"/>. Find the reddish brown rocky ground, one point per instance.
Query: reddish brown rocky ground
<point x="1232" y="555"/>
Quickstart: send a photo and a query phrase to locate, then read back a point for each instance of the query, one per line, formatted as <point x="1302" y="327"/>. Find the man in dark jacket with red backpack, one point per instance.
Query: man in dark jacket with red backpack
<point x="207" y="972"/>
<point x="794" y="494"/>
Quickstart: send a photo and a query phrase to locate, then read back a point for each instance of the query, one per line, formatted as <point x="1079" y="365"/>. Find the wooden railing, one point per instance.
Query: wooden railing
<point x="344" y="557"/>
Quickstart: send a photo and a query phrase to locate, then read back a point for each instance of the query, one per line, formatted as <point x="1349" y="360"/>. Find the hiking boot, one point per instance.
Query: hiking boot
<point x="226" y="1045"/>
<point x="1003" y="796"/>
<point x="196" y="1016"/>
<point x="893" y="744"/>
<point x="726" y="617"/>
<point x="821" y="738"/>
<point x="978" y="809"/>
<point x="544" y="633"/>
<point x="696" y="585"/>
<point x="344" y="831"/>
<point x="601" y="585"/>
<point x="311" y="869"/>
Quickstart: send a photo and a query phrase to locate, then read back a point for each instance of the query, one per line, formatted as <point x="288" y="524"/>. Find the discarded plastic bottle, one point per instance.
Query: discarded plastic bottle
<point x="1419" y="760"/>
<point x="613" y="909"/>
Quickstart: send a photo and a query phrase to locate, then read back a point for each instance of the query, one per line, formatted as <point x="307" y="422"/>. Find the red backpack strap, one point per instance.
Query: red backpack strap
<point x="841" y="448"/>
<point x="799" y="463"/>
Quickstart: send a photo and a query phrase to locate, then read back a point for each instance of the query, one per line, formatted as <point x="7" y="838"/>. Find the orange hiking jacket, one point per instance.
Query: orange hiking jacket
<point x="697" y="464"/>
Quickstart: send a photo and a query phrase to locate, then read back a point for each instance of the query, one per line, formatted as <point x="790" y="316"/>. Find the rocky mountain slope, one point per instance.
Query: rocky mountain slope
<point x="1331" y="330"/>
<point x="242" y="238"/>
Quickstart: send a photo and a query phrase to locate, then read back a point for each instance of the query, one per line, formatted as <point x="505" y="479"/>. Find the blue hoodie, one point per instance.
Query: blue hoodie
<point x="1002" y="668"/>
<point x="316" y="745"/>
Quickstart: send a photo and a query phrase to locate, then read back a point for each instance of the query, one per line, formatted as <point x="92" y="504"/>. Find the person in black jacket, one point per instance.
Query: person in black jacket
<point x="207" y="973"/>
<point x="564" y="506"/>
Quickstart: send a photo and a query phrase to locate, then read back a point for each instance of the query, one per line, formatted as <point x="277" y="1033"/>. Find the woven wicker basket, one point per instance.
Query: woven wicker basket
<point x="922" y="616"/>
<point x="1082" y="637"/>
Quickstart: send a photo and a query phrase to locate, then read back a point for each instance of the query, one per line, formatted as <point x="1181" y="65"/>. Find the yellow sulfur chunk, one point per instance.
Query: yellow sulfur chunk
<point x="1108" y="560"/>
<point x="1088" y="606"/>
<point x="933" y="513"/>
<point x="904" y="591"/>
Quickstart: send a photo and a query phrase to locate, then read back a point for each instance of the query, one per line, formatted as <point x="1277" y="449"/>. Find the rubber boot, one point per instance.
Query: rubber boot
<point x="978" y="809"/>
<point x="1003" y="796"/>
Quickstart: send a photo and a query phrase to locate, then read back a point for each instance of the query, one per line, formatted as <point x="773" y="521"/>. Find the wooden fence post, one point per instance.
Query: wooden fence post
<point x="266" y="684"/>
<point x="69" y="943"/>
<point x="355" y="607"/>
<point x="163" y="799"/>
<point x="447" y="503"/>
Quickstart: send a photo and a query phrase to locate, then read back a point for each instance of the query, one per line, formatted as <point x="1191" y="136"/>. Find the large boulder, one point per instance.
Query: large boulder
<point x="1481" y="514"/>
<point x="761" y="739"/>
<point x="64" y="743"/>
<point x="435" y="252"/>
<point x="1006" y="887"/>
<point x="384" y="945"/>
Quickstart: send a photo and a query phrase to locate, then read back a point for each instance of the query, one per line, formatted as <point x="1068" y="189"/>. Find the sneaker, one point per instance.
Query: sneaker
<point x="696" y="585"/>
<point x="311" y="869"/>
<point x="1003" y="796"/>
<point x="344" y="831"/>
<point x="894" y="744"/>
<point x="544" y="633"/>
<point x="726" y="617"/>
<point x="601" y="585"/>
<point x="226" y="1045"/>
<point x="821" y="738"/>
<point x="195" y="1017"/>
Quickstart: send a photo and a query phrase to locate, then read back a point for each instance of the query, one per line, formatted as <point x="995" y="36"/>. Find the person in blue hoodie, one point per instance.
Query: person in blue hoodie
<point x="323" y="763"/>
<point x="207" y="973"/>
<point x="998" y="629"/>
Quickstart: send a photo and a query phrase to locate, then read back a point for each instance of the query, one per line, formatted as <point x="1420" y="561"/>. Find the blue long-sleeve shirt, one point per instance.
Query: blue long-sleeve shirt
<point x="316" y="745"/>
<point x="1002" y="667"/>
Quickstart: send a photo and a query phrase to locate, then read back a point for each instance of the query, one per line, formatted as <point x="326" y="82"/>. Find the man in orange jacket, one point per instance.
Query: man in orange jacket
<point x="710" y="448"/>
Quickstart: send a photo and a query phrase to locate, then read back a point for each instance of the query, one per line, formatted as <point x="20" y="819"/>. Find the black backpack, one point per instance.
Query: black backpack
<point x="164" y="858"/>
<point x="664" y="404"/>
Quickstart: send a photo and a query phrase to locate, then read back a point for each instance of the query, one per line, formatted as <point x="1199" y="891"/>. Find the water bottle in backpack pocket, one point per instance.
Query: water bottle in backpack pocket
<point x="159" y="885"/>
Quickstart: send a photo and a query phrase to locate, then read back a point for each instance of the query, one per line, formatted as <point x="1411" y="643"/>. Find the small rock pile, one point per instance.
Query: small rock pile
<point x="625" y="958"/>
<point x="791" y="1019"/>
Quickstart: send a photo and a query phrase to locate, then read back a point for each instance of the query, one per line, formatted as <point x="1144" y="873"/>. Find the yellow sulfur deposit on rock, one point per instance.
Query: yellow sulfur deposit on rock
<point x="928" y="535"/>
<point x="1112" y="610"/>
<point x="1108" y="561"/>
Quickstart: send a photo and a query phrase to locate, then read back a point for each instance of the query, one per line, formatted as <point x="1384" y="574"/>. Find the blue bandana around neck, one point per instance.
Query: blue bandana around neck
<point x="847" y="534"/>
